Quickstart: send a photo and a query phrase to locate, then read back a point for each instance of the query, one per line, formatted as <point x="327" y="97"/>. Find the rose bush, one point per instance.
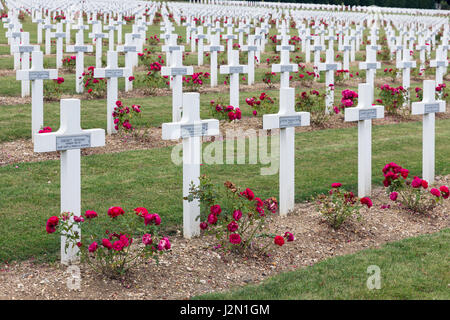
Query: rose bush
<point x="339" y="205"/>
<point x="95" y="87"/>
<point x="112" y="243"/>
<point x="261" y="105"/>
<point x="220" y="110"/>
<point x="52" y="89"/>
<point x="411" y="194"/>
<point x="393" y="99"/>
<point x="237" y="217"/>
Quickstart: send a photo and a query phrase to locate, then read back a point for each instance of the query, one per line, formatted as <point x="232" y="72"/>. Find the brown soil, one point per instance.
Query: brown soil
<point x="192" y="266"/>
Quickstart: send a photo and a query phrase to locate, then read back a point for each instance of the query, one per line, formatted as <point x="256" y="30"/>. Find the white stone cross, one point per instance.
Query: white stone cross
<point x="346" y="48"/>
<point x="176" y="71"/>
<point x="48" y="30"/>
<point x="24" y="50"/>
<point x="69" y="139"/>
<point x="370" y="65"/>
<point x="251" y="49"/>
<point x="316" y="48"/>
<point x="112" y="72"/>
<point x="190" y="129"/>
<point x="364" y="113"/>
<point x="40" y="24"/>
<point x="111" y="28"/>
<point x="193" y="36"/>
<point x="171" y="47"/>
<point x="98" y="36"/>
<point x="285" y="66"/>
<point x="199" y="36"/>
<point x="406" y="65"/>
<point x="234" y="69"/>
<point x="329" y="67"/>
<point x="440" y="64"/>
<point x="130" y="49"/>
<point x="213" y="49"/>
<point x="36" y="75"/>
<point x="80" y="48"/>
<point x="428" y="107"/>
<point x="59" y="35"/>
<point x="15" y="37"/>
<point x="422" y="50"/>
<point x="286" y="120"/>
<point x="229" y="37"/>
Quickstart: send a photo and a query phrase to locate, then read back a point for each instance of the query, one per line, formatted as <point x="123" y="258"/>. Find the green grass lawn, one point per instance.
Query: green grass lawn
<point x="29" y="194"/>
<point x="410" y="269"/>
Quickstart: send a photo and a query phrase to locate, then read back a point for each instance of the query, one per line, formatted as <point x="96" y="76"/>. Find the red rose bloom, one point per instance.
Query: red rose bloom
<point x="114" y="212"/>
<point x="445" y="191"/>
<point x="279" y="240"/>
<point x="235" y="238"/>
<point x="216" y="209"/>
<point x="366" y="201"/>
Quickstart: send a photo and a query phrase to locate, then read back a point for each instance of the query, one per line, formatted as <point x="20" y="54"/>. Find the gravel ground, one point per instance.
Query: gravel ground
<point x="193" y="267"/>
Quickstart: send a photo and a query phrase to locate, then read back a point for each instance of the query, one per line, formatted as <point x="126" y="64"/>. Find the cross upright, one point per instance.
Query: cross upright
<point x="251" y="49"/>
<point x="48" y="30"/>
<point x="193" y="37"/>
<point x="24" y="50"/>
<point x="428" y="107"/>
<point x="286" y="120"/>
<point x="59" y="35"/>
<point x="229" y="37"/>
<point x="36" y="75"/>
<point x="406" y="65"/>
<point x="213" y="49"/>
<point x="40" y="24"/>
<point x="422" y="50"/>
<point x="111" y="28"/>
<point x="440" y="64"/>
<point x="98" y="36"/>
<point x="190" y="129"/>
<point x="80" y="48"/>
<point x="200" y="37"/>
<point x="364" y="113"/>
<point x="346" y="48"/>
<point x="370" y="65"/>
<point x="119" y="23"/>
<point x="234" y="69"/>
<point x="130" y="49"/>
<point x="112" y="72"/>
<point x="176" y="71"/>
<point x="329" y="67"/>
<point x="69" y="140"/>
<point x="171" y="47"/>
<point x="306" y="45"/>
<point x="316" y="48"/>
<point x="15" y="37"/>
<point x="285" y="66"/>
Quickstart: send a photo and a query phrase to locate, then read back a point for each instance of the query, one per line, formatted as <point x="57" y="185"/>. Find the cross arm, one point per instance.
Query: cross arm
<point x="233" y="69"/>
<point x="112" y="73"/>
<point x="177" y="130"/>
<point x="285" y="67"/>
<point x="79" y="48"/>
<point x="329" y="66"/>
<point x="359" y="114"/>
<point x="36" y="75"/>
<point x="286" y="120"/>
<point x="427" y="107"/>
<point x="214" y="48"/>
<point x="59" y="141"/>
<point x="174" y="71"/>
<point x="369" y="65"/>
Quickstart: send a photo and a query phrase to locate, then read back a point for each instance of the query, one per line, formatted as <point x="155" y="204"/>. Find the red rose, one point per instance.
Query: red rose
<point x="235" y="238"/>
<point x="232" y="226"/>
<point x="90" y="214"/>
<point x="424" y="184"/>
<point x="279" y="240"/>
<point x="216" y="209"/>
<point x="114" y="212"/>
<point x="107" y="244"/>
<point x="366" y="201"/>
<point x="445" y="191"/>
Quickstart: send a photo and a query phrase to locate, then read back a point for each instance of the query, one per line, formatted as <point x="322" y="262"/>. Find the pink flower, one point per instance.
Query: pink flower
<point x="366" y="201"/>
<point x="237" y="215"/>
<point x="164" y="244"/>
<point x="336" y="185"/>
<point x="232" y="226"/>
<point x="212" y="218"/>
<point x="235" y="238"/>
<point x="393" y="196"/>
<point x="215" y="209"/>
<point x="147" y="239"/>
<point x="290" y="237"/>
<point x="445" y="191"/>
<point x="248" y="193"/>
<point x="203" y="225"/>
<point x="107" y="244"/>
<point x="90" y="214"/>
<point x="141" y="211"/>
<point x="435" y="192"/>
<point x="114" y="212"/>
<point x="118" y="245"/>
<point x="93" y="247"/>
<point x="152" y="218"/>
<point x="416" y="183"/>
